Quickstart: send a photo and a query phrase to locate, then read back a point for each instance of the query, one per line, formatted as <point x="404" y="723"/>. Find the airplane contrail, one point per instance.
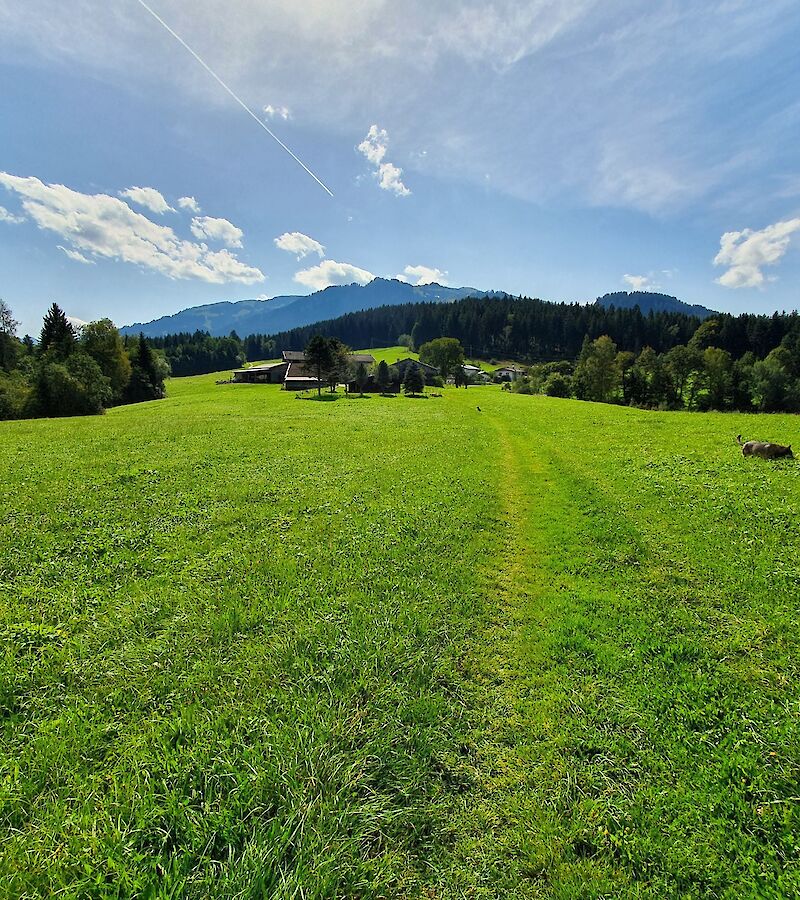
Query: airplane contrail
<point x="241" y="102"/>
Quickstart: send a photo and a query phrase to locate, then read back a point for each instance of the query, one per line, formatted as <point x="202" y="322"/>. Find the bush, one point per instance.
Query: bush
<point x="15" y="395"/>
<point x="76" y="387"/>
<point x="557" y="385"/>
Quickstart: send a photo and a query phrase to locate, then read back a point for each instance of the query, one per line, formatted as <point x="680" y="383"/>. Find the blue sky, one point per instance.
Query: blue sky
<point x="556" y="148"/>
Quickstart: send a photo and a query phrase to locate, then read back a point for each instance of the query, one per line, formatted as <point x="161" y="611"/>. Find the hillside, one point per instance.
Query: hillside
<point x="256" y="646"/>
<point x="282" y="313"/>
<point x="648" y="301"/>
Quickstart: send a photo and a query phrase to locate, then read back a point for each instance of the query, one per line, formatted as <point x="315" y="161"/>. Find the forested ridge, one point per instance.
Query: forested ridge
<point x="530" y="330"/>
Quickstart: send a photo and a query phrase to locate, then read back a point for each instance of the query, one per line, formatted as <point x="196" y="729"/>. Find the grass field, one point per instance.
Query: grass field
<point x="257" y="647"/>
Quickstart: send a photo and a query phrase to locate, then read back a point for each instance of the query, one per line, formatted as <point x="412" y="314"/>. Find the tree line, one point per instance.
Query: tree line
<point x="521" y="329"/>
<point x="74" y="372"/>
<point x="531" y="330"/>
<point x="698" y="375"/>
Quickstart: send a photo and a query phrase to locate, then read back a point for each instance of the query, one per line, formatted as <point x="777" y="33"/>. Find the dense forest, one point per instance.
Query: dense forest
<point x="539" y="331"/>
<point x="73" y="372"/>
<point x="198" y="353"/>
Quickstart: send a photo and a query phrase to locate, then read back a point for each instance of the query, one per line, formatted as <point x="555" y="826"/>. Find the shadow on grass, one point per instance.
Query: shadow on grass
<point x="325" y="398"/>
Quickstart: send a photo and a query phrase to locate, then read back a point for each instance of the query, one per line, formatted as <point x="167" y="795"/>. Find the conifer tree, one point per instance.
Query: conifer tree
<point x="58" y="335"/>
<point x="413" y="383"/>
<point x="319" y="359"/>
<point x="382" y="377"/>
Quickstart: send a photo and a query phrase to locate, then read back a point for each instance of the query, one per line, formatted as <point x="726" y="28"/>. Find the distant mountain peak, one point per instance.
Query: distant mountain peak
<point x="653" y="301"/>
<point x="268" y="316"/>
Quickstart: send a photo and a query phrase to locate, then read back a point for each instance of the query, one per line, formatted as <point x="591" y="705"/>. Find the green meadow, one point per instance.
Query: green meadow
<point x="259" y="647"/>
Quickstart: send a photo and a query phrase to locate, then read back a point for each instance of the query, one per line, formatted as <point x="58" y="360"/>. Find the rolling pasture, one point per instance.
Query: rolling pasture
<point x="258" y="647"/>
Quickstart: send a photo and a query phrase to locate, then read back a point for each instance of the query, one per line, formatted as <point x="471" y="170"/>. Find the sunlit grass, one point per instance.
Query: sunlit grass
<point x="259" y="647"/>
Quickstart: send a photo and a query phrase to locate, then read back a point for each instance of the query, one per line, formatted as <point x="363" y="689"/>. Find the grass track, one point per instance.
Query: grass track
<point x="256" y="646"/>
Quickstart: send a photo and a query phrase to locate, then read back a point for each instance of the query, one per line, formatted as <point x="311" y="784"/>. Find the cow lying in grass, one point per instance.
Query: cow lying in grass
<point x="764" y="450"/>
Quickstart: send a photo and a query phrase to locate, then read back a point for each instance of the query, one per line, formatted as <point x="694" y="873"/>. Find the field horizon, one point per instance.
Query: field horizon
<point x="255" y="647"/>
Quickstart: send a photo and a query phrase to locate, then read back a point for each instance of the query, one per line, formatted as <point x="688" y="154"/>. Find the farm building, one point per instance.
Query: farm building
<point x="507" y="373"/>
<point x="271" y="373"/>
<point x="475" y="373"/>
<point x="402" y="367"/>
<point x="300" y="378"/>
<point x="291" y="372"/>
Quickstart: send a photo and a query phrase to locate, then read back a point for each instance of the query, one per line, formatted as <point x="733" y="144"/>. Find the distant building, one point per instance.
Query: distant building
<point x="507" y="373"/>
<point x="271" y="373"/>
<point x="474" y="373"/>
<point x="291" y="372"/>
<point x="402" y="367"/>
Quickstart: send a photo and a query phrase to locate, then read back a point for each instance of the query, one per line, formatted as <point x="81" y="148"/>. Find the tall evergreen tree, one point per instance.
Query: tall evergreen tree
<point x="382" y="377"/>
<point x="319" y="359"/>
<point x="413" y="382"/>
<point x="58" y="336"/>
<point x="146" y="380"/>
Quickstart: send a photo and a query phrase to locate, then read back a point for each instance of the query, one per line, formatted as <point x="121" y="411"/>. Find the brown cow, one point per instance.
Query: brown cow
<point x="764" y="450"/>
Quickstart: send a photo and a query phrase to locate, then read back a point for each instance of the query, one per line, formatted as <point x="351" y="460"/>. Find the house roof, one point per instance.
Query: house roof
<point x="298" y="356"/>
<point x="408" y="360"/>
<point x="263" y="368"/>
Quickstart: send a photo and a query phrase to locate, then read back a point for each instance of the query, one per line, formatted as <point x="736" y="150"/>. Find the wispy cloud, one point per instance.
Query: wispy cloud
<point x="10" y="218"/>
<point x="331" y="272"/>
<point x="76" y="255"/>
<point x="277" y="112"/>
<point x="745" y="253"/>
<point x="374" y="147"/>
<point x="189" y="203"/>
<point x="106" y="227"/>
<point x="637" y="105"/>
<point x="423" y="275"/>
<point x="149" y="198"/>
<point x="217" y="230"/>
<point x="300" y="244"/>
<point x="640" y="282"/>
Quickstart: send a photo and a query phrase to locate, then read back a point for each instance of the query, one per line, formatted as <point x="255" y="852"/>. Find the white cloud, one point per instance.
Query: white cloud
<point x="217" y="230"/>
<point x="76" y="255"/>
<point x="277" y="112"/>
<point x="640" y="282"/>
<point x="300" y="244"/>
<point x="746" y="252"/>
<point x="423" y="275"/>
<point x="189" y="203"/>
<point x="149" y="198"/>
<point x="374" y="147"/>
<point x="331" y="272"/>
<point x="6" y="216"/>
<point x="106" y="227"/>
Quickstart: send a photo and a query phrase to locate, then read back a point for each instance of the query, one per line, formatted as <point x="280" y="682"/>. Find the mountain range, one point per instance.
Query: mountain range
<point x="283" y="313"/>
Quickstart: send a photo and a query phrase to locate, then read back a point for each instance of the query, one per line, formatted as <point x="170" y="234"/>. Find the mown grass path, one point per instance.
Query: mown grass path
<point x="636" y="730"/>
<point x="258" y="647"/>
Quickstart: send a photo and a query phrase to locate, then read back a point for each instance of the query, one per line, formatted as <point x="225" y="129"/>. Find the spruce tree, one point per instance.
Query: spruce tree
<point x="382" y="377"/>
<point x="414" y="382"/>
<point x="319" y="359"/>
<point x="58" y="335"/>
